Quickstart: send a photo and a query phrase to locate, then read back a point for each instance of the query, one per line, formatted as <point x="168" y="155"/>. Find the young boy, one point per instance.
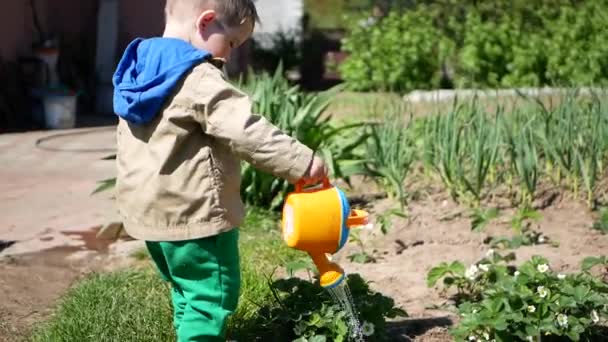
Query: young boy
<point x="182" y="133"/>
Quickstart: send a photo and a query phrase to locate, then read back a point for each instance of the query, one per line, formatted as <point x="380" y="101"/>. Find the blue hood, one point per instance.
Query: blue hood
<point x="147" y="73"/>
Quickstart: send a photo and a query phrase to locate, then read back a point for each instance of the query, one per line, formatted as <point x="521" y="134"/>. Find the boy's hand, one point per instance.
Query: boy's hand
<point x="317" y="171"/>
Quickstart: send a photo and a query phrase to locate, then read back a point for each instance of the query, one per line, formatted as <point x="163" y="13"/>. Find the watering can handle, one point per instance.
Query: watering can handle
<point x="300" y="185"/>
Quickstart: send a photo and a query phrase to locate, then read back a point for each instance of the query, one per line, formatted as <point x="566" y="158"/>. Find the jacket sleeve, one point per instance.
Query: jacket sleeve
<point x="227" y="116"/>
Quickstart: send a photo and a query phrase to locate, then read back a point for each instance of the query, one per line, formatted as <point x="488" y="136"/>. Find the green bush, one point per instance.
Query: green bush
<point x="562" y="47"/>
<point x="401" y="52"/>
<point x="498" y="54"/>
<point x="480" y="44"/>
<point x="498" y="302"/>
<point x="577" y="53"/>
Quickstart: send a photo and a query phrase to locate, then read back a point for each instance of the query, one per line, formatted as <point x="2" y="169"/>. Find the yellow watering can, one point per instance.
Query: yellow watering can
<point x="318" y="221"/>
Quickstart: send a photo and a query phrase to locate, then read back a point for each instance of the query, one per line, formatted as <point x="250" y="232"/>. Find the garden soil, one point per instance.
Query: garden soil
<point x="438" y="230"/>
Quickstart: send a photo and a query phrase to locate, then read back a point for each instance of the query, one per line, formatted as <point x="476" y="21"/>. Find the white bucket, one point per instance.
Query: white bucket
<point x="60" y="111"/>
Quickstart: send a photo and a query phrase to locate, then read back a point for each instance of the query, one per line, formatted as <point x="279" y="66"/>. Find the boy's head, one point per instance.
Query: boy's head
<point x="217" y="26"/>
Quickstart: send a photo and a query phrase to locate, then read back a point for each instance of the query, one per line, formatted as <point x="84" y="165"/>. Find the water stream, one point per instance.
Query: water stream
<point x="342" y="296"/>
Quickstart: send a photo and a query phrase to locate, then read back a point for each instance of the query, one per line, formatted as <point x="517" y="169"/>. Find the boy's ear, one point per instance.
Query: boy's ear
<point x="205" y="19"/>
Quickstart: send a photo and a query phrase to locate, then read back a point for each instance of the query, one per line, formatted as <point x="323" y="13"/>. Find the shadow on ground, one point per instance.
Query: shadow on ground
<point x="410" y="329"/>
<point x="5" y="244"/>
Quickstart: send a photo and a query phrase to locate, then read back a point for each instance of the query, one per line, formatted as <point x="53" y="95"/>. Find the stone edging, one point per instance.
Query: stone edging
<point x="451" y="94"/>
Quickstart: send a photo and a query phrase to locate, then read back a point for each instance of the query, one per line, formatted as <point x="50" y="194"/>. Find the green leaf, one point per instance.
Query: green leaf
<point x="298" y="265"/>
<point x="318" y="338"/>
<point x="590" y="262"/>
<point x="342" y="328"/>
<point x="531" y="330"/>
<point x="501" y="324"/>
<point x="300" y="328"/>
<point x="361" y="258"/>
<point x="481" y="218"/>
<point x="105" y="185"/>
<point x="548" y="325"/>
<point x="602" y="223"/>
<point x="580" y="293"/>
<point x="436" y="273"/>
<point x="574" y="336"/>
<point x="457" y="268"/>
<point x="516" y="242"/>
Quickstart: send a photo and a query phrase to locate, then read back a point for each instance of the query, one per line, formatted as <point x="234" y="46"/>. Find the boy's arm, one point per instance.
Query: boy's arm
<point x="228" y="118"/>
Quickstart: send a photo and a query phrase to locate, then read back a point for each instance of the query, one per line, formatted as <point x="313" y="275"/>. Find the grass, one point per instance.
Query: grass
<point x="120" y="306"/>
<point x="134" y="305"/>
<point x="352" y="106"/>
<point x="361" y="105"/>
<point x="328" y="14"/>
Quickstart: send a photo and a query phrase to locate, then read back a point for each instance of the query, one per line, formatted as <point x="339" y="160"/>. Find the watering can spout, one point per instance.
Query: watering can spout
<point x="331" y="274"/>
<point x="357" y="218"/>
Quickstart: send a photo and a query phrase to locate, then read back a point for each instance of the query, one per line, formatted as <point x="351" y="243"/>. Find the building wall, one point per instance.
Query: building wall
<point x="137" y="18"/>
<point x="140" y="18"/>
<point x="16" y="33"/>
<point x="279" y="16"/>
<point x="56" y="17"/>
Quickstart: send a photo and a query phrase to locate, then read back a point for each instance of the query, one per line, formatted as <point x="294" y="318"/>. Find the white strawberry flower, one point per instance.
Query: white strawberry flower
<point x="471" y="273"/>
<point x="561" y="276"/>
<point x="531" y="309"/>
<point x="542" y="292"/>
<point x="562" y="320"/>
<point x="594" y="316"/>
<point x="367" y="329"/>
<point x="542" y="268"/>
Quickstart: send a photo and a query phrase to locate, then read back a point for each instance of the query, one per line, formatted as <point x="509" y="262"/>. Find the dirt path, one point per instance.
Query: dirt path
<point x="31" y="284"/>
<point x="47" y="181"/>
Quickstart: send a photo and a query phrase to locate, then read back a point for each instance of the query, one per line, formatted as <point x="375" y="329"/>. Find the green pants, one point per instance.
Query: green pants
<point x="205" y="276"/>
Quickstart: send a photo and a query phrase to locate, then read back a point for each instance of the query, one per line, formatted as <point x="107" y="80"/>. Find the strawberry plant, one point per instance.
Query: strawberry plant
<point x="303" y="311"/>
<point x="498" y="302"/>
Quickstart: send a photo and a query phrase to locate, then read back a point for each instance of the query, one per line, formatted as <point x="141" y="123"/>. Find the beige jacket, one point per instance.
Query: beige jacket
<point x="179" y="176"/>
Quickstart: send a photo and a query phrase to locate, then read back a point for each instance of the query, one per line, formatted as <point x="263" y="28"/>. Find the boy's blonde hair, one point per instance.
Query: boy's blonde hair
<point x="230" y="12"/>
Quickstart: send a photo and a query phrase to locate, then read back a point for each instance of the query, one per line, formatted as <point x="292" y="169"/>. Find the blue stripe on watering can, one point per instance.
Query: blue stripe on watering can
<point x="345" y="214"/>
<point x="336" y="283"/>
